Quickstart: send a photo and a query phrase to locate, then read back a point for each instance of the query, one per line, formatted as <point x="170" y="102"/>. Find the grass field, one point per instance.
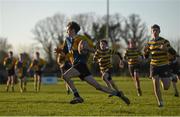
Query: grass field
<point x="53" y="101"/>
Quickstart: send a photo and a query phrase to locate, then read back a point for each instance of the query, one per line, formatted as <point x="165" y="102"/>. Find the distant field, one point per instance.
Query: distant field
<point x="53" y="101"/>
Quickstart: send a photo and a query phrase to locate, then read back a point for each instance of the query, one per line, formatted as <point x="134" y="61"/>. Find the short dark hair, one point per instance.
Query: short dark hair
<point x="37" y="53"/>
<point x="11" y="52"/>
<point x="105" y="41"/>
<point x="155" y="26"/>
<point x="74" y="25"/>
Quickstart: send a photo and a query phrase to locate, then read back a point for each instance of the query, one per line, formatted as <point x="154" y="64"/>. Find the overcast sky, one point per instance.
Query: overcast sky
<point x="18" y="17"/>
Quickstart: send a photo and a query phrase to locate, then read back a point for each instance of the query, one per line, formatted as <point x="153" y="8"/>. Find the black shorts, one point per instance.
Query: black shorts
<point x="133" y="68"/>
<point x="66" y="67"/>
<point x="174" y="68"/>
<point x="82" y="69"/>
<point x="38" y="73"/>
<point x="109" y="72"/>
<point x="11" y="72"/>
<point x="161" y="71"/>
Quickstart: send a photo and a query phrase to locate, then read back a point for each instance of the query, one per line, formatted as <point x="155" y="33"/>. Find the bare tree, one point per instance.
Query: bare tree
<point x="49" y="33"/>
<point x="115" y="21"/>
<point x="58" y="22"/>
<point x="176" y="45"/>
<point x="5" y="46"/>
<point x="85" y="20"/>
<point x="134" y="29"/>
<point x="43" y="36"/>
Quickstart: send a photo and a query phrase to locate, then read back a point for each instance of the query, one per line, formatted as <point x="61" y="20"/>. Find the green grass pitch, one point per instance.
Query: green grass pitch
<point x="53" y="100"/>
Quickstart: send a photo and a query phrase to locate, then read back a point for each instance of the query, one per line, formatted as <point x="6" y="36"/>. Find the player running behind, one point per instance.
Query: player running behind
<point x="103" y="57"/>
<point x="37" y="65"/>
<point x="21" y="67"/>
<point x="132" y="55"/>
<point x="9" y="63"/>
<point x="175" y="71"/>
<point x="158" y="48"/>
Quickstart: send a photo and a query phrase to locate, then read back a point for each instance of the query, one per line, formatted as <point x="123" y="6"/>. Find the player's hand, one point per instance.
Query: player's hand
<point x="58" y="50"/>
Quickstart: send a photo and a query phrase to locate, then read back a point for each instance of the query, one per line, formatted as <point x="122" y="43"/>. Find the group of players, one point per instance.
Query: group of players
<point x="21" y="67"/>
<point x="72" y="58"/>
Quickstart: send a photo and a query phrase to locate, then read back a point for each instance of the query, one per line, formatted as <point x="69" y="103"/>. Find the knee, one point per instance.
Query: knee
<point x="104" y="78"/>
<point x="65" y="77"/>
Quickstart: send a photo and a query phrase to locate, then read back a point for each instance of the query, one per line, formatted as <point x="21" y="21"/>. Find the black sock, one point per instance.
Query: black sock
<point x="75" y="92"/>
<point x="118" y="93"/>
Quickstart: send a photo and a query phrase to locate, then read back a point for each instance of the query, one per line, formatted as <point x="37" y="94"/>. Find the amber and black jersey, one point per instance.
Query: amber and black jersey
<point x="159" y="56"/>
<point x="132" y="55"/>
<point x="9" y="63"/>
<point x="172" y="56"/>
<point x="71" y="49"/>
<point x="37" y="65"/>
<point x="103" y="57"/>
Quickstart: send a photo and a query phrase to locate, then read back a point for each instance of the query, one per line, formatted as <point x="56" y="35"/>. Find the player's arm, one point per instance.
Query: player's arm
<point x="119" y="55"/>
<point x="15" y="66"/>
<point x="30" y="66"/>
<point x="169" y="48"/>
<point x="121" y="63"/>
<point x="43" y="64"/>
<point x="5" y="62"/>
<point x="146" y="51"/>
<point x="95" y="57"/>
<point x="125" y="56"/>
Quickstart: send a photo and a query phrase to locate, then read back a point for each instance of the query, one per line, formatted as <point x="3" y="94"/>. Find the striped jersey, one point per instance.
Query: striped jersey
<point x="159" y="55"/>
<point x="172" y="56"/>
<point x="103" y="57"/>
<point x="9" y="63"/>
<point x="36" y="65"/>
<point x="71" y="48"/>
<point x="21" y="67"/>
<point x="132" y="55"/>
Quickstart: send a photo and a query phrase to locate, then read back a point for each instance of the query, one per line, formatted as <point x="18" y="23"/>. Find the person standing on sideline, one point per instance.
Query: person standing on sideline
<point x="132" y="55"/>
<point x="9" y="63"/>
<point x="21" y="67"/>
<point x="37" y="65"/>
<point x="158" y="48"/>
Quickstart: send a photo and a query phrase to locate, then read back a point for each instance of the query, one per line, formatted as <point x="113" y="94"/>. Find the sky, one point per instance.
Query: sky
<point x="18" y="17"/>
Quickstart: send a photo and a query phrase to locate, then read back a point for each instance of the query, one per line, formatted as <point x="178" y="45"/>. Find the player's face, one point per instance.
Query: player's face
<point x="155" y="32"/>
<point x="70" y="32"/>
<point x="10" y="54"/>
<point x="103" y="45"/>
<point x="132" y="45"/>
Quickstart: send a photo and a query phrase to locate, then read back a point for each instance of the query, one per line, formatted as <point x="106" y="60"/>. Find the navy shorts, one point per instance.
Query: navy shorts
<point x="82" y="69"/>
<point x="11" y="72"/>
<point x="133" y="68"/>
<point x="161" y="71"/>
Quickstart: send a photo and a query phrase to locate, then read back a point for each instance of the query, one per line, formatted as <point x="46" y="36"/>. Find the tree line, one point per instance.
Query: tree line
<point x="50" y="33"/>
